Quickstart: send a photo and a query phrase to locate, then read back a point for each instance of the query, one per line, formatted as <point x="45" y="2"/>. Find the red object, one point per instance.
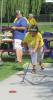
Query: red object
<point x="12" y="91"/>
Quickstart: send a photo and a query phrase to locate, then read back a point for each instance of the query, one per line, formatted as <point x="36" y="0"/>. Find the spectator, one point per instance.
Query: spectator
<point x="32" y="20"/>
<point x="19" y="29"/>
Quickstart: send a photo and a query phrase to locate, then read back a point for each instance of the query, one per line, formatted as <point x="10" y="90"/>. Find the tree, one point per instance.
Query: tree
<point x="26" y="6"/>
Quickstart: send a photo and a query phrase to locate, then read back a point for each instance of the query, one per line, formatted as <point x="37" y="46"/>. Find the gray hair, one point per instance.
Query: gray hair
<point x="31" y="14"/>
<point x="18" y="12"/>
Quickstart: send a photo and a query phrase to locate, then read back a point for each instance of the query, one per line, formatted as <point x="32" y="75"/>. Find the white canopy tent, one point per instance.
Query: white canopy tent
<point x="48" y="0"/>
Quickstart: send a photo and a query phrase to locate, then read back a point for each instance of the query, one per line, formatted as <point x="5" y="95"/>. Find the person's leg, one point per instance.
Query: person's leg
<point x="40" y="56"/>
<point x="33" y="59"/>
<point x="18" y="50"/>
<point x="41" y="64"/>
<point x="19" y="55"/>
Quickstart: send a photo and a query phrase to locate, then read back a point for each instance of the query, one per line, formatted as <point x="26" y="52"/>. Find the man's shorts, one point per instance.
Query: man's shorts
<point x="17" y="44"/>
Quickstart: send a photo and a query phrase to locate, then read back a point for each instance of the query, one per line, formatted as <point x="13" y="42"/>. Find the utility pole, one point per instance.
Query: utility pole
<point x="1" y="13"/>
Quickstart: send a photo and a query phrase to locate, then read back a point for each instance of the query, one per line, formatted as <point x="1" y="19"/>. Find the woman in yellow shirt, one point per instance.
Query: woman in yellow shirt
<point x="35" y="43"/>
<point x="32" y="21"/>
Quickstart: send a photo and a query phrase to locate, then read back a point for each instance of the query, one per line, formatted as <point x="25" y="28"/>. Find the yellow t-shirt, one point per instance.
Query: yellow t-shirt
<point x="31" y="41"/>
<point x="32" y="21"/>
<point x="15" y="19"/>
<point x="26" y="20"/>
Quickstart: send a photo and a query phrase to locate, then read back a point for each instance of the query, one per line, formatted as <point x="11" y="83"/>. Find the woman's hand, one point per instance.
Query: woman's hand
<point x="36" y="47"/>
<point x="33" y="50"/>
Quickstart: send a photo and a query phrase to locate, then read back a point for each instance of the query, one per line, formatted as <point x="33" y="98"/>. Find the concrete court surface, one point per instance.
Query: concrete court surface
<point x="37" y="86"/>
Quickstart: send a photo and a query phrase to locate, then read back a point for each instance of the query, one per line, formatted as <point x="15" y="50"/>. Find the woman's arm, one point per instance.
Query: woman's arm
<point x="36" y="47"/>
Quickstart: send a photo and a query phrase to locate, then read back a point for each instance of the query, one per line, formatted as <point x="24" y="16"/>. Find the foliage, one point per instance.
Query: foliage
<point x="26" y="6"/>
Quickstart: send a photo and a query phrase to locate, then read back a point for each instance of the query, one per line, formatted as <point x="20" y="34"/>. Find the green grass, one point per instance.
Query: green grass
<point x="46" y="26"/>
<point x="9" y="65"/>
<point x="6" y="24"/>
<point x="6" y="70"/>
<point x="48" y="60"/>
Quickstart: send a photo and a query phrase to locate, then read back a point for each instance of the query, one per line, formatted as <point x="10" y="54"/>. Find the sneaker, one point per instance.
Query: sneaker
<point x="33" y="70"/>
<point x="42" y="68"/>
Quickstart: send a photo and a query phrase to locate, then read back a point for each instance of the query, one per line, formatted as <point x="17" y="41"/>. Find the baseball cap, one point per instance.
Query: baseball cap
<point x="35" y="29"/>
